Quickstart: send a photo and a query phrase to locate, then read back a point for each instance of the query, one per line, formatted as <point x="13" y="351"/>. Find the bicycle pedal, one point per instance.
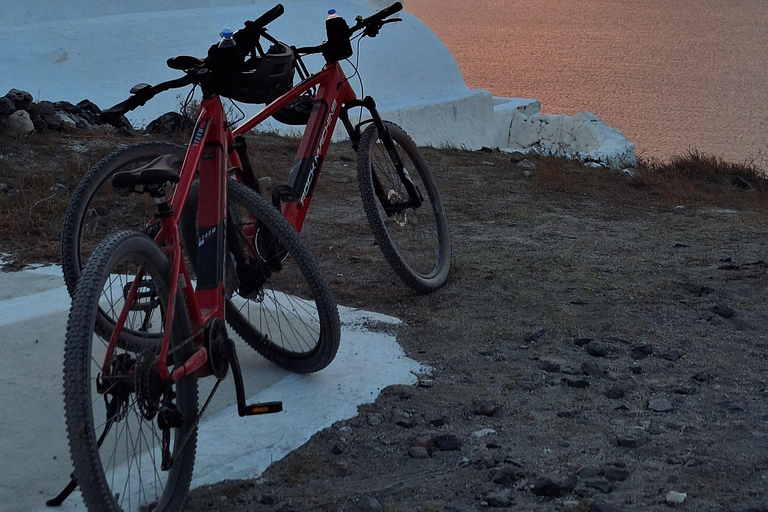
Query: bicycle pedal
<point x="263" y="408"/>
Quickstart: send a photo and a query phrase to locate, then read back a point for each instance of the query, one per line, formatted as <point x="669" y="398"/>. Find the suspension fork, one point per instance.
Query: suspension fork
<point x="415" y="198"/>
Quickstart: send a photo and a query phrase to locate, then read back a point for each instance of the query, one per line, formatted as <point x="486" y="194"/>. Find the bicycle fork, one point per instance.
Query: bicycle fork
<point x="415" y="199"/>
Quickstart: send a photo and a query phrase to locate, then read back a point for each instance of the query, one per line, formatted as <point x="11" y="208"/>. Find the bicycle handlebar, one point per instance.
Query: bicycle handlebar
<point x="141" y="97"/>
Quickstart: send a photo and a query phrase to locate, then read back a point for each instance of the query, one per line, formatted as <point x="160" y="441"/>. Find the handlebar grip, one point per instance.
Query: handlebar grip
<point x="113" y="113"/>
<point x="387" y="11"/>
<point x="269" y="16"/>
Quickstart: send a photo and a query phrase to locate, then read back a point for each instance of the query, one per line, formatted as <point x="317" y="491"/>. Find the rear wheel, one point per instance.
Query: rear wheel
<point x="414" y="239"/>
<point x="278" y="300"/>
<point x="132" y="436"/>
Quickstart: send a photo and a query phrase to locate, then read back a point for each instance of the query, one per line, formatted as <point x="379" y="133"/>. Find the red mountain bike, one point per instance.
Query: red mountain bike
<point x="398" y="191"/>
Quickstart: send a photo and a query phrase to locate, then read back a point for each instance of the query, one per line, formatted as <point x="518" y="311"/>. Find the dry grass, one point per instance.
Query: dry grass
<point x="39" y="174"/>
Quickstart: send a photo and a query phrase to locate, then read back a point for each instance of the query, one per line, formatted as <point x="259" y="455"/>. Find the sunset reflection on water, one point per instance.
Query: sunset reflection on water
<point x="670" y="74"/>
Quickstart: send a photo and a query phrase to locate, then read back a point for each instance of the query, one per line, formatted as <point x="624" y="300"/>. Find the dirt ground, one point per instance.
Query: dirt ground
<point x="598" y="346"/>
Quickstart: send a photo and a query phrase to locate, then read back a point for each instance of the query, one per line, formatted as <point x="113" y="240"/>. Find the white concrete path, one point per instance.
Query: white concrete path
<point x="34" y="456"/>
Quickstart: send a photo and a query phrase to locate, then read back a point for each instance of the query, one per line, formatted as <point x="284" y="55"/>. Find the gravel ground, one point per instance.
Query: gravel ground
<point x="598" y="346"/>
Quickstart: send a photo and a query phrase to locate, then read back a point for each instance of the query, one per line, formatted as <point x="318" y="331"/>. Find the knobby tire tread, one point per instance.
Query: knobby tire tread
<point x="77" y="358"/>
<point x="370" y="205"/>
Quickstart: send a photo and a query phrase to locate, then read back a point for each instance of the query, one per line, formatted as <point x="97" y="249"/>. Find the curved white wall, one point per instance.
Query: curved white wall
<point x="98" y="50"/>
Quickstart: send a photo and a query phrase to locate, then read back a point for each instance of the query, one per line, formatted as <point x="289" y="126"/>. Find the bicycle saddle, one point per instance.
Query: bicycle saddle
<point x="184" y="62"/>
<point x="158" y="172"/>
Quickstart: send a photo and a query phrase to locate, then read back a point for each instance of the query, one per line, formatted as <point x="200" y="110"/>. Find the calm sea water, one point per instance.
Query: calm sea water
<point x="670" y="74"/>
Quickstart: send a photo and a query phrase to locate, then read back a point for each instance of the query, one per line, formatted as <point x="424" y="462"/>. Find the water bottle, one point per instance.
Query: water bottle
<point x="228" y="61"/>
<point x="338" y="46"/>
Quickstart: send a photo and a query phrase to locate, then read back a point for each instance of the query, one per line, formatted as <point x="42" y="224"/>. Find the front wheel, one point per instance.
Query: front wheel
<point x="132" y="435"/>
<point x="411" y="227"/>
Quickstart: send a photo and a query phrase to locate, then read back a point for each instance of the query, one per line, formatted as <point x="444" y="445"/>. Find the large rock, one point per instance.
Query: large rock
<point x="20" y="123"/>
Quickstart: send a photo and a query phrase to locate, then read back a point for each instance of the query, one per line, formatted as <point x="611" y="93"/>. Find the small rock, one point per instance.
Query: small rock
<point x="375" y="419"/>
<point x="527" y="174"/>
<point x="483" y="432"/>
<point x="447" y="442"/>
<point x="507" y="476"/>
<point x="570" y="370"/>
<point x="615" y="474"/>
<point x="671" y="355"/>
<point x="418" y="452"/>
<point x="59" y="190"/>
<point x="601" y="484"/>
<point x="597" y="349"/>
<point x="403" y="419"/>
<point x="337" y="449"/>
<point x="265" y="499"/>
<point x="588" y="472"/>
<point x="516" y="157"/>
<point x="21" y="99"/>
<point x="368" y="504"/>
<point x="485" y="408"/>
<point x="702" y="376"/>
<point x="547" y="487"/>
<point x="526" y="165"/>
<point x="630" y="174"/>
<point x="601" y="506"/>
<point x="7" y="106"/>
<point x="592" y="369"/>
<point x="676" y="498"/>
<point x="548" y="365"/>
<point x="437" y="422"/>
<point x="660" y="405"/>
<point x="641" y="352"/>
<point x="627" y="441"/>
<point x="65" y="120"/>
<point x="534" y="336"/>
<point x="576" y="383"/>
<point x="580" y="342"/>
<point x="499" y="499"/>
<point x="636" y="369"/>
<point x="615" y="393"/>
<point x="723" y="310"/>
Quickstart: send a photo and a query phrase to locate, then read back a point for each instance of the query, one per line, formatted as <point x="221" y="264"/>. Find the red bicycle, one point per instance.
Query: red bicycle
<point x="398" y="191"/>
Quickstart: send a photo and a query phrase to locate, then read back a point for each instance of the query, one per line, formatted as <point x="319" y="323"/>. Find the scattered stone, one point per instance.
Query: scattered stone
<point x="368" y="504"/>
<point x="483" y="432"/>
<point x="600" y="484"/>
<point x="437" y="422"/>
<point x="568" y="414"/>
<point x="580" y="342"/>
<point x="636" y="369"/>
<point x="671" y="355"/>
<point x="403" y="419"/>
<point x="588" y="472"/>
<point x="3" y="187"/>
<point x="722" y="310"/>
<point x="601" y="506"/>
<point x="548" y="365"/>
<point x="570" y="370"/>
<point x="576" y="383"/>
<point x="547" y="487"/>
<point x="526" y="165"/>
<point x="337" y="449"/>
<point x="527" y="174"/>
<point x="499" y="499"/>
<point x="597" y="349"/>
<point x="642" y="351"/>
<point x="6" y="106"/>
<point x="426" y="442"/>
<point x="730" y="406"/>
<point x="684" y="390"/>
<point x="485" y="408"/>
<point x="660" y="405"/>
<point x="592" y="369"/>
<point x="375" y="419"/>
<point x="534" y="336"/>
<point x="615" y="474"/>
<point x="516" y="157"/>
<point x="59" y="190"/>
<point x="418" y="452"/>
<point x="507" y="476"/>
<point x="615" y="393"/>
<point x="447" y="442"/>
<point x="630" y="174"/>
<point x="265" y="499"/>
<point x="676" y="498"/>
<point x="628" y="441"/>
<point x="675" y="460"/>
<point x="702" y="376"/>
<point x="65" y="120"/>
<point x="403" y="395"/>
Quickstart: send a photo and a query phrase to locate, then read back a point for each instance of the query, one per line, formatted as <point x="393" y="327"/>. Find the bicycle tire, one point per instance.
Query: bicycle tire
<point x="83" y="215"/>
<point x="107" y="482"/>
<point x="421" y="258"/>
<point x="297" y="290"/>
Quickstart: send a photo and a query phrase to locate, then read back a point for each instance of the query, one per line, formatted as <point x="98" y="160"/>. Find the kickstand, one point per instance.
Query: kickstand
<point x="64" y="494"/>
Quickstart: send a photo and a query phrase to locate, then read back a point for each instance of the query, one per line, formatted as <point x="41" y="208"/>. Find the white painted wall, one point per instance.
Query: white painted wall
<point x="97" y="50"/>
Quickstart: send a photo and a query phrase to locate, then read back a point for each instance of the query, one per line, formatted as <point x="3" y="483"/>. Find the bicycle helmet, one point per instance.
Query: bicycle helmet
<point x="261" y="78"/>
